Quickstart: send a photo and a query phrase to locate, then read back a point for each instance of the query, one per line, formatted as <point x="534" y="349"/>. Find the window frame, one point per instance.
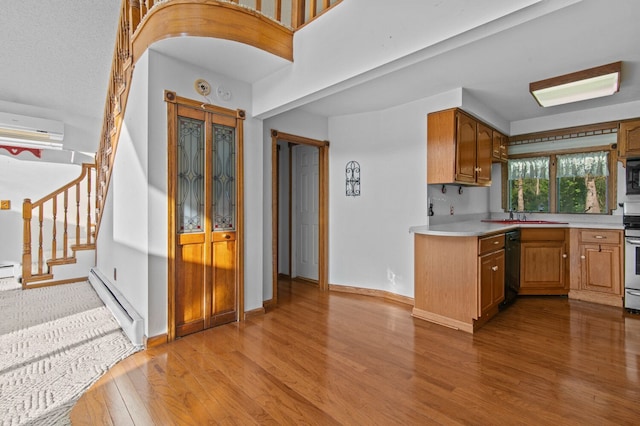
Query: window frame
<point x="612" y="183"/>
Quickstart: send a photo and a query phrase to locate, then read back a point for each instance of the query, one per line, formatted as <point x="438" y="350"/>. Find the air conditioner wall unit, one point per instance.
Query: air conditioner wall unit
<point x="30" y="132"/>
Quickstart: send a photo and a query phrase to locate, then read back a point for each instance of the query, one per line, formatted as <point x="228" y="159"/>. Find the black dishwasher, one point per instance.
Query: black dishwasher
<point x="512" y="268"/>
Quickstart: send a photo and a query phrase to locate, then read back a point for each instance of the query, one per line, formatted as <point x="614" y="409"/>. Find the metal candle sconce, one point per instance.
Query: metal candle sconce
<point x="352" y="176"/>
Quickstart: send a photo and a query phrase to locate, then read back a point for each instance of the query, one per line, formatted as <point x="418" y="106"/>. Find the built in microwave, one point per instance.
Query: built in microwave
<point x="633" y="176"/>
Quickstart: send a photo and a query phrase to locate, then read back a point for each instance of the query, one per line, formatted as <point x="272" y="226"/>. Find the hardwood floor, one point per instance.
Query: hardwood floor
<point x="336" y="358"/>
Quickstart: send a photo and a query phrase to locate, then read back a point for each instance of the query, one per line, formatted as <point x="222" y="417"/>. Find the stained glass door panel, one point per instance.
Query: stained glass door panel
<point x="190" y="202"/>
<point x="190" y="185"/>
<point x="223" y="218"/>
<point x="224" y="178"/>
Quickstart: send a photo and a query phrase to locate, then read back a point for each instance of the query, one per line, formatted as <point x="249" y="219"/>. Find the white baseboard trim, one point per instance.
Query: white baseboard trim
<point x="130" y="321"/>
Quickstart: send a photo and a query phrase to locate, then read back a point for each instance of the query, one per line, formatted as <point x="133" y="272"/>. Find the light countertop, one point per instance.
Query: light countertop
<point x="471" y="228"/>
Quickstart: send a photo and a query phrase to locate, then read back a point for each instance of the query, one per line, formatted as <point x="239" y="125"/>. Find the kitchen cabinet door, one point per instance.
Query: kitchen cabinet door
<point x="629" y="139"/>
<point x="484" y="145"/>
<point x="491" y="269"/>
<point x="597" y="266"/>
<point x="466" y="151"/>
<point x="543" y="267"/>
<point x="600" y="267"/>
<point x="499" y="147"/>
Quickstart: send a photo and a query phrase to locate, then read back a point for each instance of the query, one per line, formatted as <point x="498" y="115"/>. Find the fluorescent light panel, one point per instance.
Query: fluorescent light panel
<point x="578" y="86"/>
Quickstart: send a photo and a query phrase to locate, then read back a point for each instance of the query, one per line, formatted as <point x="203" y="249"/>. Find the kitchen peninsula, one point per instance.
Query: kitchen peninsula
<point x="459" y="266"/>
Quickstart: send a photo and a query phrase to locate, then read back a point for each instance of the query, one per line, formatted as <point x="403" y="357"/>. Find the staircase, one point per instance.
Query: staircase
<point x="59" y="233"/>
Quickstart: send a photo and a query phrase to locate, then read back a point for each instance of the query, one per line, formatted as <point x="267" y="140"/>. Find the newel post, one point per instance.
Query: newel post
<point x="26" y="238"/>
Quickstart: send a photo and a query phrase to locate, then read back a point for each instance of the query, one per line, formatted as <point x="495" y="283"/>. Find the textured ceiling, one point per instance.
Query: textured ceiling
<point x="57" y="53"/>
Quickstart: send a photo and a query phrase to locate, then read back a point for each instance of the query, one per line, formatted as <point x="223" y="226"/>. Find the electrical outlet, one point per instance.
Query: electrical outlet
<point x="5" y="204"/>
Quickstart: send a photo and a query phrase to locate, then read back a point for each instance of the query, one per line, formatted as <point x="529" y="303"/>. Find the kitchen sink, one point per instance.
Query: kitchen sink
<point x="530" y="222"/>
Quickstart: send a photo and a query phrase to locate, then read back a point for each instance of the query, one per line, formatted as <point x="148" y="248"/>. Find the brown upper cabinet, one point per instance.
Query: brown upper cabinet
<point x="459" y="149"/>
<point x="499" y="152"/>
<point x="629" y="139"/>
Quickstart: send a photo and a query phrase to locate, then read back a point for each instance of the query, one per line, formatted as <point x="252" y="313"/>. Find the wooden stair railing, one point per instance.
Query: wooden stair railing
<point x="65" y="223"/>
<point x="134" y="36"/>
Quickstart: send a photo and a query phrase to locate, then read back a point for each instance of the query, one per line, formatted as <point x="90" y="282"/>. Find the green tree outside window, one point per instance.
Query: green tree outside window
<point x="581" y="183"/>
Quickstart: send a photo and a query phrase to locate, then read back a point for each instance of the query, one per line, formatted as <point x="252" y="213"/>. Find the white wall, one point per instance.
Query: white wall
<point x="137" y="241"/>
<point x="369" y="243"/>
<point x="123" y="246"/>
<point x="451" y="204"/>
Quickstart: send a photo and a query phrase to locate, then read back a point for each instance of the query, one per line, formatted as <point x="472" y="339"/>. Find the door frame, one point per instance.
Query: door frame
<point x="323" y="206"/>
<point x="173" y="101"/>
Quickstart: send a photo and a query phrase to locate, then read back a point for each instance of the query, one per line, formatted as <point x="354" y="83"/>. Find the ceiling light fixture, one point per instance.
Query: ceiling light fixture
<point x="578" y="86"/>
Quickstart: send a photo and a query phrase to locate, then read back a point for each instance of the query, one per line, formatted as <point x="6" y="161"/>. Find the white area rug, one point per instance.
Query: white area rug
<point x="55" y="342"/>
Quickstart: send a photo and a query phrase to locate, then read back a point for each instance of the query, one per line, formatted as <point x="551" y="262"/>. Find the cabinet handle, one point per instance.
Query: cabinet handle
<point x="478" y="169"/>
<point x="600" y="237"/>
<point x="227" y="236"/>
<point x="583" y="257"/>
<point x="496" y="242"/>
<point x="564" y="255"/>
<point x="494" y="268"/>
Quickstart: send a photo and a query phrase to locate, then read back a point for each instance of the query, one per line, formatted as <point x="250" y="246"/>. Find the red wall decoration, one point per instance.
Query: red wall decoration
<point x="15" y="150"/>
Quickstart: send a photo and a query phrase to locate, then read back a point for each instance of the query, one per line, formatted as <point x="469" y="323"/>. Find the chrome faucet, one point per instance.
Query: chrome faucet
<point x="520" y="216"/>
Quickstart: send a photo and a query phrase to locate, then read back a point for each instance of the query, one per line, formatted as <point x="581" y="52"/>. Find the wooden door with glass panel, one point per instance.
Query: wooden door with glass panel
<point x="205" y="193"/>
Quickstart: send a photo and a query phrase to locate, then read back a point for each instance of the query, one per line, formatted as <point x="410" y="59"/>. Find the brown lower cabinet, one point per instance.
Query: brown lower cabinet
<point x="544" y="257"/>
<point x="491" y="269"/>
<point x="459" y="281"/>
<point x="597" y="265"/>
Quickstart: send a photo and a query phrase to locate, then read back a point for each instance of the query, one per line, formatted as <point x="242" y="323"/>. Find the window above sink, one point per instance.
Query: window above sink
<point x="572" y="170"/>
<point x="561" y="182"/>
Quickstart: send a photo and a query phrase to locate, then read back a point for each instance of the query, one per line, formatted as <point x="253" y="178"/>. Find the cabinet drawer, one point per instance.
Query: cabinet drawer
<point x="600" y="236"/>
<point x="489" y="244"/>
<point x="542" y="234"/>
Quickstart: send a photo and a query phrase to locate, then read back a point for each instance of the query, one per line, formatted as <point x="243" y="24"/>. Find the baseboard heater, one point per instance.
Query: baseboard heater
<point x="6" y="270"/>
<point x="130" y="321"/>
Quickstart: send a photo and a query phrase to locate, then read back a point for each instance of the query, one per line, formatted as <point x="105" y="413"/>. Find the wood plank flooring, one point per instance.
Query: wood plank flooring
<point x="335" y="358"/>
